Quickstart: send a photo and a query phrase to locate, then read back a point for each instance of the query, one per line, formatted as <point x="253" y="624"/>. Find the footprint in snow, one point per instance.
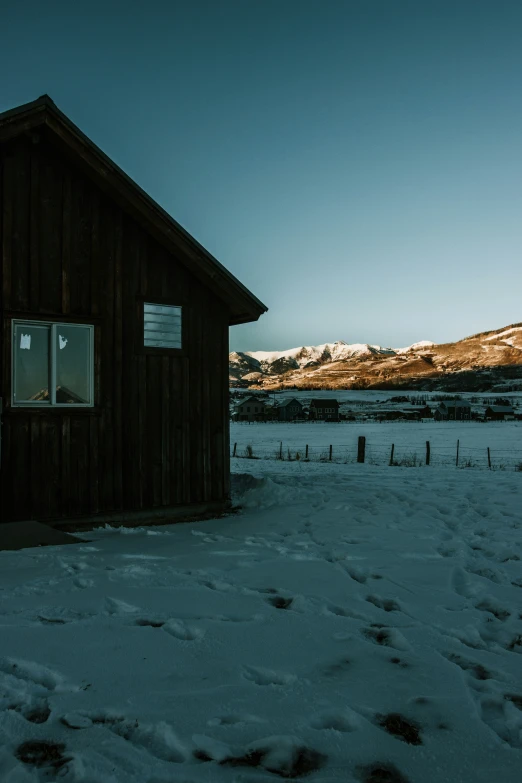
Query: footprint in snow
<point x="236" y="719"/>
<point x="387" y="604"/>
<point x="398" y="726"/>
<point x="462" y="584"/>
<point x="386" y="637"/>
<point x="340" y="611"/>
<point x="502" y="717"/>
<point x="338" y="668"/>
<point x="343" y="721"/>
<point x="33" y="710"/>
<point x="32" y="673"/>
<point x="261" y="676"/>
<point x="487" y="573"/>
<point x="25" y="687"/>
<point x="280" y="602"/>
<point x="183" y="632"/>
<point x="114" y="606"/>
<point x="494" y="608"/>
<point x="158" y="739"/>
<point x="473" y="668"/>
<point x="380" y="772"/>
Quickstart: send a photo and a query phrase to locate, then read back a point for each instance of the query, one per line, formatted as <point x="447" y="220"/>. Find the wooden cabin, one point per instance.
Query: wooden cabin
<point x="324" y="410"/>
<point x="290" y="410"/>
<point x="250" y="409"/>
<point x="114" y="339"/>
<point x="453" y="410"/>
<point x="499" y="413"/>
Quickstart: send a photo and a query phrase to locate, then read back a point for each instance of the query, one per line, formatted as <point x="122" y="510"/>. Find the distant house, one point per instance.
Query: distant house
<point x="453" y="410"/>
<point x="251" y="409"/>
<point x="290" y="410"/>
<point x="499" y="413"/>
<point x="324" y="410"/>
<point x="419" y="411"/>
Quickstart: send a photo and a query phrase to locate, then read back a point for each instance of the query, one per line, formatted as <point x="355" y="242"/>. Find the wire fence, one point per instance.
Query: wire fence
<point x="391" y="454"/>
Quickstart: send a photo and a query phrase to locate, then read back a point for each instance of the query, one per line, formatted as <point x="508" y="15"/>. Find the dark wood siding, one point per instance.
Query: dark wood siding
<point x="158" y="435"/>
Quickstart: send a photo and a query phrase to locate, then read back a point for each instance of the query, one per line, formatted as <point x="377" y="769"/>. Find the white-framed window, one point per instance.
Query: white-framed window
<point x="52" y="364"/>
<point x="161" y="326"/>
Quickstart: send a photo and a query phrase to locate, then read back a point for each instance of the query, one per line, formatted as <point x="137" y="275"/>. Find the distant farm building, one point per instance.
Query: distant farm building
<point x="419" y="411"/>
<point x="251" y="409"/>
<point x="324" y="410"/>
<point x="499" y="413"/>
<point x="290" y="410"/>
<point x="453" y="410"/>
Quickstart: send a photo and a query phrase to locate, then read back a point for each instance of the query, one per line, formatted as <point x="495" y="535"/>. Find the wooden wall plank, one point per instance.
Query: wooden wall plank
<point x="18" y="468"/>
<point x="20" y="195"/>
<point x="36" y="474"/>
<point x="105" y="399"/>
<point x="66" y="242"/>
<point x="165" y="431"/>
<point x="81" y="239"/>
<point x="117" y="358"/>
<point x="96" y="260"/>
<point x="34" y="231"/>
<point x="8" y="169"/>
<point x="94" y="466"/>
<point x="130" y="422"/>
<point x="50" y="234"/>
<point x="66" y="457"/>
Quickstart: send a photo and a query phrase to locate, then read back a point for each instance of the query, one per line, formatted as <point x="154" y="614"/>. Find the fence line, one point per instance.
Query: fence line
<point x="391" y="454"/>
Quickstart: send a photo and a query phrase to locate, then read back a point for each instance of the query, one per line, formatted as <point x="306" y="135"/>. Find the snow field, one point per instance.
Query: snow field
<point x="349" y="619"/>
<point x="504" y="440"/>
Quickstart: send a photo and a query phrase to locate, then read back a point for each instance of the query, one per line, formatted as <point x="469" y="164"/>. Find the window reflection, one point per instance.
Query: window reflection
<point x="72" y="365"/>
<point x="31" y="357"/>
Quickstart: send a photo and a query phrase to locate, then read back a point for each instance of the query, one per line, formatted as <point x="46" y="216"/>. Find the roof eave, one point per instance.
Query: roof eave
<point x="244" y="306"/>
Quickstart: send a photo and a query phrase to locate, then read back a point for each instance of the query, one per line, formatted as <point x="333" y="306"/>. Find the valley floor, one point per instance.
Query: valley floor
<point x="350" y="618"/>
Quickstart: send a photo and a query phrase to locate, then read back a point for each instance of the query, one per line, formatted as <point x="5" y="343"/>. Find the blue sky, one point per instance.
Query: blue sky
<point x="358" y="165"/>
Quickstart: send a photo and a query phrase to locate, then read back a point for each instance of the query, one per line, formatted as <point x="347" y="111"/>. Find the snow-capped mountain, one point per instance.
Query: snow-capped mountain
<point x="363" y="365"/>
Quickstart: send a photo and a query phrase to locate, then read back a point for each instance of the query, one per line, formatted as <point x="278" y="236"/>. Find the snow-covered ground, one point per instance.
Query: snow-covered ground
<point x="350" y="619"/>
<point x="504" y="440"/>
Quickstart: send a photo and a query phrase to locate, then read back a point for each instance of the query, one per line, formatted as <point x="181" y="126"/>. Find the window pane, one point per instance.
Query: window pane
<point x="31" y="363"/>
<point x="73" y="364"/>
<point x="162" y="326"/>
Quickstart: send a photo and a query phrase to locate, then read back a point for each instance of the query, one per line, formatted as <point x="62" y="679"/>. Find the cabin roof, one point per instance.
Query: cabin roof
<point x="500" y="408"/>
<point x="291" y="401"/>
<point x="324" y="403"/>
<point x="251" y="401"/>
<point x="43" y="112"/>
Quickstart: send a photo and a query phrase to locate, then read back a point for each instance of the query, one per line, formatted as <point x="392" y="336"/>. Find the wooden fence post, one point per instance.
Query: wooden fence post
<point x="457" y="460"/>
<point x="281" y="450"/>
<point x="489" y="459"/>
<point x="391" y="455"/>
<point x="428" y="452"/>
<point x="330" y="452"/>
<point x="361" y="448"/>
<point x="235" y="449"/>
<point x="306" y="451"/>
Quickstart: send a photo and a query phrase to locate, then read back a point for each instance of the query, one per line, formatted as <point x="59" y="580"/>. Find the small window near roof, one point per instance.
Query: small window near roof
<point x="161" y="326"/>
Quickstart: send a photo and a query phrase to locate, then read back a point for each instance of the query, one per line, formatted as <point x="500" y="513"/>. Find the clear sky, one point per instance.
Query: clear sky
<point x="356" y="163"/>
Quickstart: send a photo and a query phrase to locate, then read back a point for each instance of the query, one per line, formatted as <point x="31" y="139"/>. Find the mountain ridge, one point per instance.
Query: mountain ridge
<point x="365" y="365"/>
